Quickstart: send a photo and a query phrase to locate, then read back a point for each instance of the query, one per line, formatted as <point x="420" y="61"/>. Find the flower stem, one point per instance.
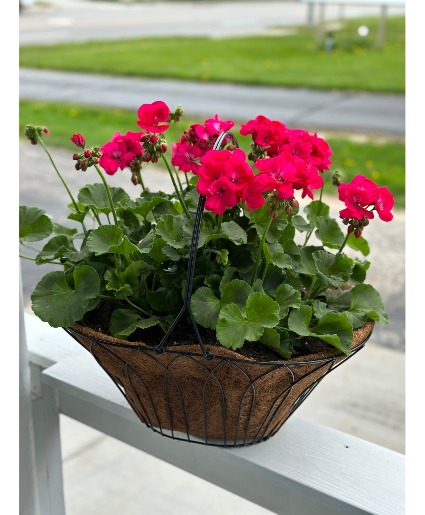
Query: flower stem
<point x="342" y="245"/>
<point x="186" y="211"/>
<point x="140" y="180"/>
<point x="23" y="256"/>
<point x="260" y="251"/>
<point x="60" y="177"/>
<point x="318" y="214"/>
<point x="108" y="192"/>
<point x="138" y="308"/>
<point x="187" y="180"/>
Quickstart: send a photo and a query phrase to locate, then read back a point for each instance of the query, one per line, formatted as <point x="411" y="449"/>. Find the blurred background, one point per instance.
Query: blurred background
<point x="334" y="68"/>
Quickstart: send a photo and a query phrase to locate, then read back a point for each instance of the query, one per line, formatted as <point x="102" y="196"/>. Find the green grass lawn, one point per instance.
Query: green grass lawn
<point x="382" y="162"/>
<point x="291" y="61"/>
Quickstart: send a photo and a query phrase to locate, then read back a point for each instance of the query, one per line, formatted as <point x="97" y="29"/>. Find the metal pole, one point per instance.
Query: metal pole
<point x="381" y="28"/>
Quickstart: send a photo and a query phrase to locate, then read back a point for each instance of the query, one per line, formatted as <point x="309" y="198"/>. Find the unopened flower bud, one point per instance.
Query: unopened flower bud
<point x="145" y="138"/>
<point x="354" y="222"/>
<point x="365" y="222"/>
<point x="350" y="229"/>
<point x="78" y="140"/>
<point x="288" y="210"/>
<point x="345" y="221"/>
<point x="95" y="160"/>
<point x="154" y="138"/>
<point x="154" y="159"/>
<point x="46" y="131"/>
<point x="357" y="232"/>
<point x="336" y="178"/>
<point x="77" y="166"/>
<point x="75" y="157"/>
<point x="164" y="147"/>
<point x="87" y="153"/>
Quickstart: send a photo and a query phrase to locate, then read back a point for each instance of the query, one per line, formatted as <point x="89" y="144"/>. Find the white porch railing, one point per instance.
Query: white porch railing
<point x="304" y="469"/>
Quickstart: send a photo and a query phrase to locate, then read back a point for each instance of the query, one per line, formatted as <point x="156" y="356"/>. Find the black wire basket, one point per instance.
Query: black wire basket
<point x="209" y="394"/>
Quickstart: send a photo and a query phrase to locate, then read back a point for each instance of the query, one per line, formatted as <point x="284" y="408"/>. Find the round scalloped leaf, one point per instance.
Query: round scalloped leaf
<point x="61" y="300"/>
<point x="34" y="224"/>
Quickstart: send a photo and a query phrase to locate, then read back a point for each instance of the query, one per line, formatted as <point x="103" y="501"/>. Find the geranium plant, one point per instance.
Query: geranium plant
<point x="258" y="277"/>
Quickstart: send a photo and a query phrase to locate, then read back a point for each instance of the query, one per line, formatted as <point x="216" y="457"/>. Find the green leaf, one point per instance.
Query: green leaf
<point x="358" y="275"/>
<point x="307" y="264"/>
<point x="275" y="254"/>
<point x="61" y="300"/>
<point x="235" y="291"/>
<point x="95" y="196"/>
<point x="110" y="239"/>
<point x="233" y="327"/>
<point x="315" y="209"/>
<point x="299" y="320"/>
<point x="205" y="307"/>
<point x="56" y="247"/>
<point x="335" y="329"/>
<point x="34" y="224"/>
<point x="262" y="309"/>
<point x="145" y="245"/>
<point x="329" y="232"/>
<point x="172" y="253"/>
<point x="124" y="322"/>
<point x="320" y="309"/>
<point x="358" y="244"/>
<point x="170" y="229"/>
<point x="301" y="225"/>
<point x="287" y="297"/>
<point x="62" y="230"/>
<point x="273" y="340"/>
<point x="228" y="273"/>
<point x="156" y="252"/>
<point x="234" y="233"/>
<point x="366" y="304"/>
<point x="163" y="299"/>
<point x="333" y="270"/>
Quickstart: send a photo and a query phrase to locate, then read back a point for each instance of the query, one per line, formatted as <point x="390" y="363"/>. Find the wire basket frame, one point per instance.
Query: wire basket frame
<point x="209" y="394"/>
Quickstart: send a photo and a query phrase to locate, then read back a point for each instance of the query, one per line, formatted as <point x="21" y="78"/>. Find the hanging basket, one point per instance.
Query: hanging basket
<point x="216" y="398"/>
<point x="204" y="393"/>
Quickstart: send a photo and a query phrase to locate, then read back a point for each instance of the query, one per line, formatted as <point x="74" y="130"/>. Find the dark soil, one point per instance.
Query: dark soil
<point x="98" y="319"/>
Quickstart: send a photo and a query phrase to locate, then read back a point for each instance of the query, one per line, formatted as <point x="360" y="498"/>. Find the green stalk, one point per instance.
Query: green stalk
<point x="60" y="177"/>
<point x="23" y="256"/>
<point x="343" y="244"/>
<point x="260" y="251"/>
<point x="311" y="232"/>
<point x="138" y="308"/>
<point x="178" y="180"/>
<point x="140" y="180"/>
<point x="187" y="180"/>
<point x="108" y="192"/>
<point x="186" y="211"/>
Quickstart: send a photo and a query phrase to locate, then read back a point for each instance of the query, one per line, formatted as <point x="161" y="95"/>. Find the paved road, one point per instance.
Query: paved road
<point x="315" y="110"/>
<point x="76" y="20"/>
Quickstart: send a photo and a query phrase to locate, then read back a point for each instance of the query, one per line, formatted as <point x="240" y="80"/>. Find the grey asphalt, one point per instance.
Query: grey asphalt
<point x="102" y="474"/>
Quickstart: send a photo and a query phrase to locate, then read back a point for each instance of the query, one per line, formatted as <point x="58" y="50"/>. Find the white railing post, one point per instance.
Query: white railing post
<point x="28" y="499"/>
<point x="40" y="457"/>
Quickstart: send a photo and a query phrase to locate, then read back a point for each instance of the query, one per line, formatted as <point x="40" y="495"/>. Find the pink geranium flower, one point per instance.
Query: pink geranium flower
<point x="357" y="195"/>
<point x="253" y="193"/>
<point x="221" y="196"/>
<point x="120" y="152"/>
<point x="152" y="115"/>
<point x="384" y="203"/>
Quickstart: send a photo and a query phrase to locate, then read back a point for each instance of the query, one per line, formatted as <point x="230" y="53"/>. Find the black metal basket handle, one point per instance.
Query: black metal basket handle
<point x="191" y="267"/>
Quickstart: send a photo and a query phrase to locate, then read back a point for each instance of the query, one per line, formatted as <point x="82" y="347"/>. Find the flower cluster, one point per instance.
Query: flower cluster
<point x="362" y="196"/>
